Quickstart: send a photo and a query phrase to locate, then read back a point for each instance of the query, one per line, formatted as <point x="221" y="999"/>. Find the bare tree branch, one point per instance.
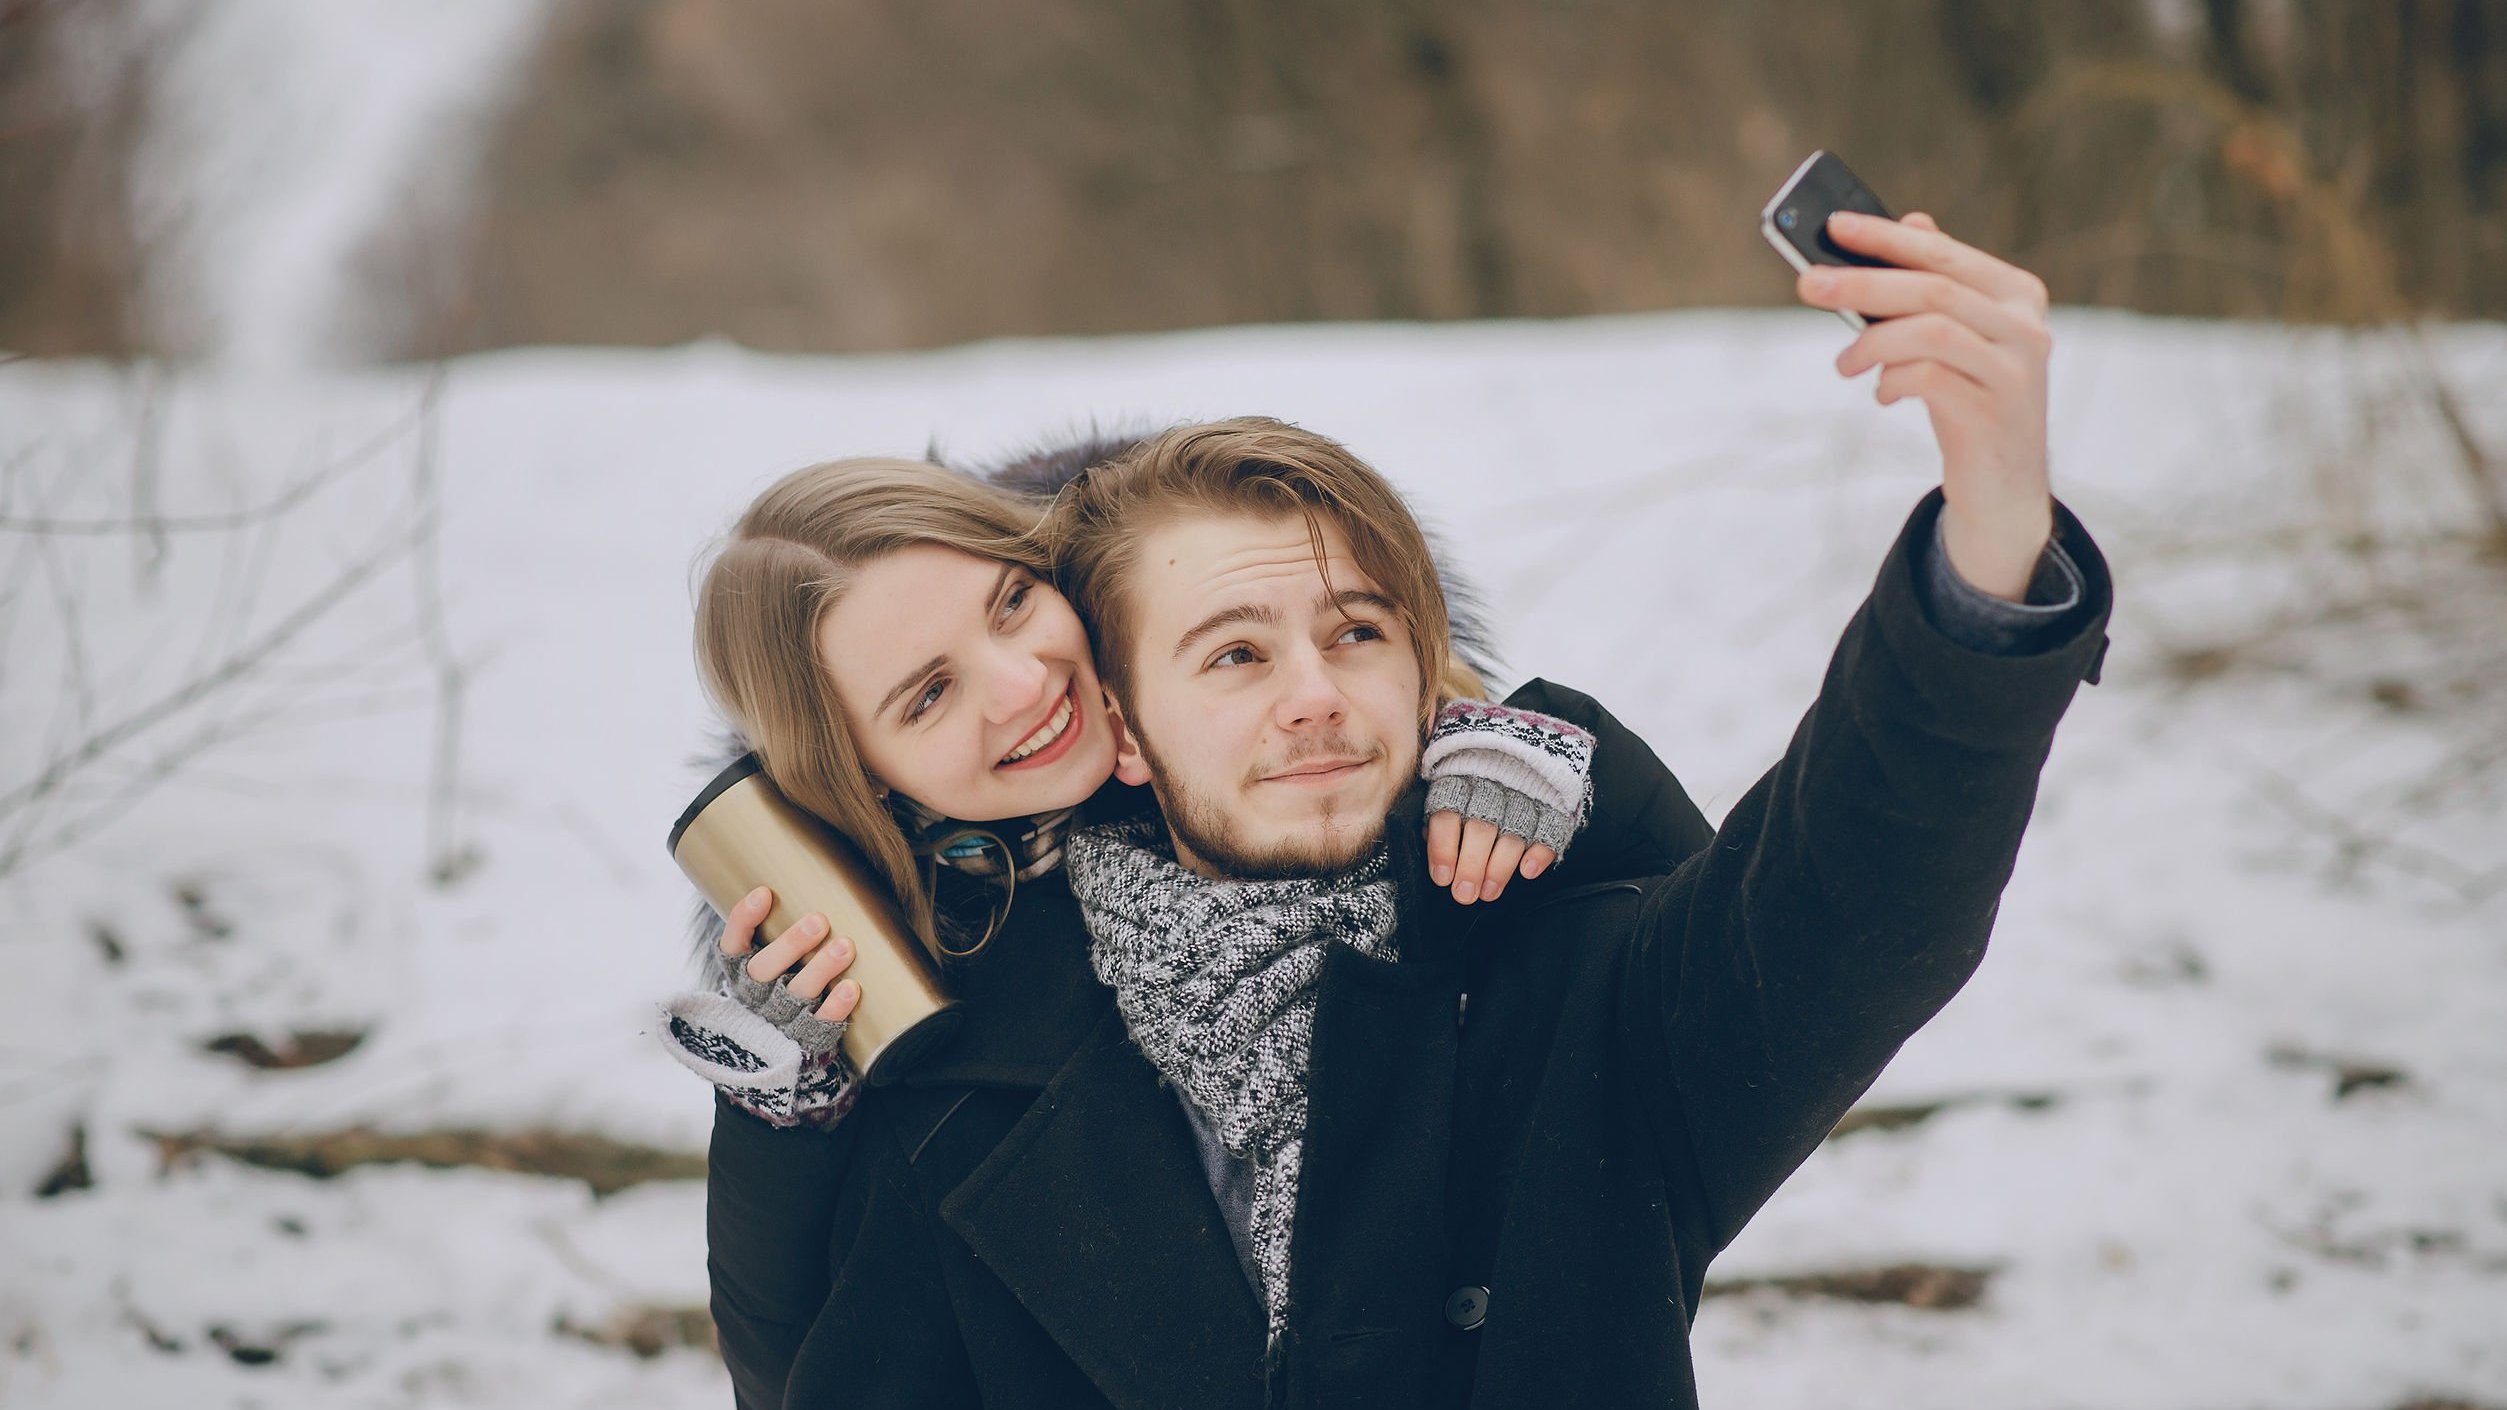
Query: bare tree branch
<point x="286" y="500"/>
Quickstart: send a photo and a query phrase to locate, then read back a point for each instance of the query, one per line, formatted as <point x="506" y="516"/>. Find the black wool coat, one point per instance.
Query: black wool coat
<point x="1527" y="1137"/>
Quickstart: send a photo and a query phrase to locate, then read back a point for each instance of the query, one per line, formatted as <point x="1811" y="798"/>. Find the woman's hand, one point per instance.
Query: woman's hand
<point x="1966" y="334"/>
<point x="821" y="958"/>
<point x="1476" y="860"/>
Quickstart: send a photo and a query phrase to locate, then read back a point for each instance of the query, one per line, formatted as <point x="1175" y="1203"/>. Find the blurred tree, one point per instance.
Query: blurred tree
<point x="71" y="264"/>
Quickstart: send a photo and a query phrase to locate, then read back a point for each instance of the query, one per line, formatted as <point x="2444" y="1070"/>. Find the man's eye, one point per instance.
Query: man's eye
<point x="1234" y="656"/>
<point x="1362" y="631"/>
<point x="930" y="697"/>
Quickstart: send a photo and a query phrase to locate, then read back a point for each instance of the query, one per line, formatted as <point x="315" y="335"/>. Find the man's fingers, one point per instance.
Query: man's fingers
<point x="1914" y="247"/>
<point x="1471" y="868"/>
<point x="1503" y="859"/>
<point x="787" y="949"/>
<point x="1920" y="220"/>
<point x="1444" y="842"/>
<point x="1899" y="293"/>
<point x="1939" y="387"/>
<point x="741" y="921"/>
<point x="1933" y="337"/>
<point x="822" y="969"/>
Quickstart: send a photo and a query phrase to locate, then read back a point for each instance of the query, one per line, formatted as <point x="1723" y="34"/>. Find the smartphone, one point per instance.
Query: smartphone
<point x="1796" y="220"/>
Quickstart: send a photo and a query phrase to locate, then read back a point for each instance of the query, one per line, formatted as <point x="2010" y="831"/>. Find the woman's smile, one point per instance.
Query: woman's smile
<point x="1049" y="741"/>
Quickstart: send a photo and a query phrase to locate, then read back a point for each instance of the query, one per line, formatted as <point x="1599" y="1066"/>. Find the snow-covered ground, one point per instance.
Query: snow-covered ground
<point x="2230" y="889"/>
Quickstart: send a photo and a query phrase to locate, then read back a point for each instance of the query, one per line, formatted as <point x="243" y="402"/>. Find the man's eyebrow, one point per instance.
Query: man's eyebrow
<point x="1347" y="598"/>
<point x="921" y="673"/>
<point x="1227" y="617"/>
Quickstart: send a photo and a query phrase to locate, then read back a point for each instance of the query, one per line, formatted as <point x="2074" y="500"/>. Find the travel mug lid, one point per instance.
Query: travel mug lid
<point x="743" y="767"/>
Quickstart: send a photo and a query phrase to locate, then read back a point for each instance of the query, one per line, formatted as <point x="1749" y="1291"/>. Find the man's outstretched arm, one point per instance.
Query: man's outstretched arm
<point x="1850" y="892"/>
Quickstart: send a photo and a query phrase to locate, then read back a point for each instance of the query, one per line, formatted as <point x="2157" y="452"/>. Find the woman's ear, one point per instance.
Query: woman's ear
<point x="1130" y="765"/>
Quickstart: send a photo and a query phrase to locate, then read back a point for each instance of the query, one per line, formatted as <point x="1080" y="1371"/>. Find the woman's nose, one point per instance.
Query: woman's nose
<point x="1016" y="685"/>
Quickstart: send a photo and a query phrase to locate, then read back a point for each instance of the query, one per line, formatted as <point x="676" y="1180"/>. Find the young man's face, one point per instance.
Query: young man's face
<point x="1276" y="718"/>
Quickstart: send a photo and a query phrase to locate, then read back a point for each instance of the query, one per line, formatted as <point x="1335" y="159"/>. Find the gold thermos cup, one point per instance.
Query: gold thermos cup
<point x="742" y="833"/>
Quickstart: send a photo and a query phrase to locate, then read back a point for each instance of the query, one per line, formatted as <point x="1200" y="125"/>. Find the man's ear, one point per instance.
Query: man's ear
<point x="1130" y="765"/>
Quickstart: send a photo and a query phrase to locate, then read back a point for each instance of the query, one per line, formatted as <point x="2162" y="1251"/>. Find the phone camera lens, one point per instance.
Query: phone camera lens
<point x="1786" y="219"/>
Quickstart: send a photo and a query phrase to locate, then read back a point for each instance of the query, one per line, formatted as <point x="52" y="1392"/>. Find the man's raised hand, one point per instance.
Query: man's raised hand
<point x="1965" y="333"/>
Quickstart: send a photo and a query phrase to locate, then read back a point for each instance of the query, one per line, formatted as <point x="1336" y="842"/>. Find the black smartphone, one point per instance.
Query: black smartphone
<point x="1796" y="220"/>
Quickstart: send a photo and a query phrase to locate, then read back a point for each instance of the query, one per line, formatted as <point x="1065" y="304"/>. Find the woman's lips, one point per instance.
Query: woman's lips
<point x="1062" y="743"/>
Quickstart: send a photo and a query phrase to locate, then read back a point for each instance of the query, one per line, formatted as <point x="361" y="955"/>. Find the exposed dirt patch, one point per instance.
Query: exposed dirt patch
<point x="310" y="1048"/>
<point x="1927" y="1287"/>
<point x="2351" y="1075"/>
<point x="605" y="1165"/>
<point x="1899" y="1118"/>
<point x="646" y="1331"/>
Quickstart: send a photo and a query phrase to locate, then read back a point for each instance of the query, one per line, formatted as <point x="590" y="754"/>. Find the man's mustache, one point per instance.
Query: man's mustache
<point x="1308" y="751"/>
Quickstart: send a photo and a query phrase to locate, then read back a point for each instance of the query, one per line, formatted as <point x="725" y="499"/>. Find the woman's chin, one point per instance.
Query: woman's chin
<point x="1065" y="783"/>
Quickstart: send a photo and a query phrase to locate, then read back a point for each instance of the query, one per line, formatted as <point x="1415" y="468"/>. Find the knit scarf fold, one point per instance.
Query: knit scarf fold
<point x="1216" y="982"/>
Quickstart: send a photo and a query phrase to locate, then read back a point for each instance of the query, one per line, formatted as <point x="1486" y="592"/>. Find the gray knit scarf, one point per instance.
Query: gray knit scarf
<point x="1216" y="981"/>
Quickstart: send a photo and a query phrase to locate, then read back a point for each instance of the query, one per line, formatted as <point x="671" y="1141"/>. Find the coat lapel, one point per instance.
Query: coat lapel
<point x="1370" y="1257"/>
<point x="1095" y="1213"/>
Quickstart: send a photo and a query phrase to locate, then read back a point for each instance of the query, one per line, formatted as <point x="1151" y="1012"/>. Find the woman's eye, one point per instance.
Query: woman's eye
<point x="1362" y="631"/>
<point x="930" y="697"/>
<point x="1017" y="599"/>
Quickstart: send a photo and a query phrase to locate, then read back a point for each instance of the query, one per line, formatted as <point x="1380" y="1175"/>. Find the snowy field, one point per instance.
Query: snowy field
<point x="2222" y="1123"/>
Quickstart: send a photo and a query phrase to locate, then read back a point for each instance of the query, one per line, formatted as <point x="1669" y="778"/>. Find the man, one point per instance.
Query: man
<point x="1342" y="1142"/>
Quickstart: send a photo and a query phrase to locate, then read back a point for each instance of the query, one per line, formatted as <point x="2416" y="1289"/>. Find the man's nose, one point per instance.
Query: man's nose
<point x="1309" y="694"/>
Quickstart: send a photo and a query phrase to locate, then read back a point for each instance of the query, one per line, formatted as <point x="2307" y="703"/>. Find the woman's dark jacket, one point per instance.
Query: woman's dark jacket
<point x="1527" y="1137"/>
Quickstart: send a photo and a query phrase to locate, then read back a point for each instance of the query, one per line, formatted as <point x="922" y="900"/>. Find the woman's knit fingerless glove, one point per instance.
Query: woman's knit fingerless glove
<point x="1528" y="773"/>
<point x="762" y="1047"/>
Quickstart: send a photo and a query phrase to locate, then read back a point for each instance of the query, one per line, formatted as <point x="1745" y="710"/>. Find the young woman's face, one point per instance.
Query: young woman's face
<point x="968" y="685"/>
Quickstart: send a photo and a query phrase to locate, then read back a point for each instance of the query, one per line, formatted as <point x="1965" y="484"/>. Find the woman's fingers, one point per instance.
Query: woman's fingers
<point x="788" y="949"/>
<point x="831" y="960"/>
<point x="1536" y="860"/>
<point x="741" y="921"/>
<point x="1472" y="865"/>
<point x="1444" y="845"/>
<point x="840" y="1001"/>
<point x="1503" y="858"/>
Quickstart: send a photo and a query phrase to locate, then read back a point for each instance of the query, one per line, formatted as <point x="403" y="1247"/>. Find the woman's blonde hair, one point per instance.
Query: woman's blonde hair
<point x="761" y="601"/>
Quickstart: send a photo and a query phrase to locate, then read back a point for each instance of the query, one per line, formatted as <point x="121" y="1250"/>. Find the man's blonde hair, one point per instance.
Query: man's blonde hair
<point x="1256" y="466"/>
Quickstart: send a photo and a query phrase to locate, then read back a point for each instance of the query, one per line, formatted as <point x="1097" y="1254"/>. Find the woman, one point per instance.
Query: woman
<point x="886" y="636"/>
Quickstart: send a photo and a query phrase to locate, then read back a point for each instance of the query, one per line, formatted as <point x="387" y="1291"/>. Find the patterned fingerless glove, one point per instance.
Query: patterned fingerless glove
<point x="1530" y="774"/>
<point x="762" y="1047"/>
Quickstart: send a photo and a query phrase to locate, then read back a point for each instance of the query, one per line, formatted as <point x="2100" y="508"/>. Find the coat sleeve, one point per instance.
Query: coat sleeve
<point x="1849" y="892"/>
<point x="770" y="1213"/>
<point x="1643" y="823"/>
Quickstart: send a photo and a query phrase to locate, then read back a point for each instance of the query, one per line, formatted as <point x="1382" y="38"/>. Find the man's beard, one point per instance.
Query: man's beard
<point x="1336" y="844"/>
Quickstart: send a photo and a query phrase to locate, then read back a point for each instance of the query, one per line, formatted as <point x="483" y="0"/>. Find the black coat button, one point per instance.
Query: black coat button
<point x="1468" y="1307"/>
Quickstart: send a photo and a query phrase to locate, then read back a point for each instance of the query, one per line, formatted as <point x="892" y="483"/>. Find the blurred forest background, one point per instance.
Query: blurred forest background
<point x="875" y="174"/>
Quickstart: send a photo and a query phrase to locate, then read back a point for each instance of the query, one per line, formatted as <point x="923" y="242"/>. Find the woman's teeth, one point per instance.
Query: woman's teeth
<point x="1045" y="734"/>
